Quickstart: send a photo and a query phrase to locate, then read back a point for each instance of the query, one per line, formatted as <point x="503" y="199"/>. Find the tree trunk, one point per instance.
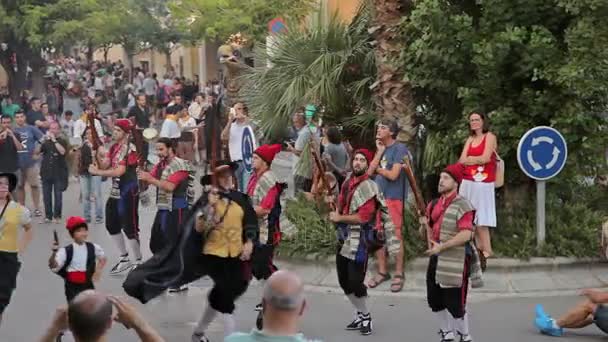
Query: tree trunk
<point x="168" y="61"/>
<point x="106" y="50"/>
<point x="393" y="95"/>
<point x="130" y="63"/>
<point x="90" y="50"/>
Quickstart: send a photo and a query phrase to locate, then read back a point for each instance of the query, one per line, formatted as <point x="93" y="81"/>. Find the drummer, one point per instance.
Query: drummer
<point x="189" y="137"/>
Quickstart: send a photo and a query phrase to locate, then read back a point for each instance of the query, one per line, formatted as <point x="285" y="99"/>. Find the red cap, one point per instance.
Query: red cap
<point x="268" y="152"/>
<point x="456" y="171"/>
<point x="124" y="124"/>
<point x="74" y="222"/>
<point x="366" y="153"/>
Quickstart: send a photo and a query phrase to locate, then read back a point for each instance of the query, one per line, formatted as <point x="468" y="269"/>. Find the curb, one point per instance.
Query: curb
<point x="504" y="277"/>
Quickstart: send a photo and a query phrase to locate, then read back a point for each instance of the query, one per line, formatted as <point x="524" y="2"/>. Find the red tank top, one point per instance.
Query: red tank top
<point x="480" y="173"/>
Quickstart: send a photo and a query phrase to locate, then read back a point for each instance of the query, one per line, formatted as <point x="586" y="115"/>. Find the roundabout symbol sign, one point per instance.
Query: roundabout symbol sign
<point x="542" y="153"/>
<point x="247" y="148"/>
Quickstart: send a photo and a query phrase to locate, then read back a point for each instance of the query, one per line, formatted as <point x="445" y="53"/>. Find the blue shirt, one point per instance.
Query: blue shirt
<point x="28" y="135"/>
<point x="395" y="190"/>
<point x="257" y="336"/>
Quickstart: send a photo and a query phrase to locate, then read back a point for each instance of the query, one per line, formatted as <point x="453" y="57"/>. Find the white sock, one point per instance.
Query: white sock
<point x="134" y="244"/>
<point x="205" y="320"/>
<point x="119" y="241"/>
<point x="229" y="325"/>
<point x="462" y="325"/>
<point x="444" y="320"/>
<point x="359" y="303"/>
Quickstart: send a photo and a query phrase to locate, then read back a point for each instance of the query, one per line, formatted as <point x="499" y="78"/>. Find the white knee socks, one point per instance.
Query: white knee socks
<point x="462" y="325"/>
<point x="229" y="325"/>
<point x="359" y="303"/>
<point x="134" y="244"/>
<point x="119" y="241"/>
<point x="206" y="319"/>
<point x="445" y="320"/>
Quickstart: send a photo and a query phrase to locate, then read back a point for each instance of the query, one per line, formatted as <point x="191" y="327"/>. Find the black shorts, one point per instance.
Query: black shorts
<point x="230" y="281"/>
<point x="351" y="276"/>
<point x="166" y="228"/>
<point x="453" y="299"/>
<point x="72" y="290"/>
<point x="600" y="318"/>
<point x="9" y="268"/>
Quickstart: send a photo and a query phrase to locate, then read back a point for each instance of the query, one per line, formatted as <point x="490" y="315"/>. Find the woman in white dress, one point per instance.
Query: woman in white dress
<point x="479" y="158"/>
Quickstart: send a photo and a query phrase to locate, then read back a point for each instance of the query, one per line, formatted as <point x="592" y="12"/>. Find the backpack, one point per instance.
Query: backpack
<point x="69" y="253"/>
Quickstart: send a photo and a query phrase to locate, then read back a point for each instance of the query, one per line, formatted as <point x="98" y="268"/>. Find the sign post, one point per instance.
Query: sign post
<point x="541" y="154"/>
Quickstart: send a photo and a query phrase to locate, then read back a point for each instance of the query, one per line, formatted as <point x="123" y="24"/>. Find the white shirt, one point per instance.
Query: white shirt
<point x="79" y="257"/>
<point x="149" y="86"/>
<point x="195" y="110"/>
<point x="80" y="126"/>
<point x="98" y="83"/>
<point x="235" y="140"/>
<point x="187" y="123"/>
<point x="170" y="129"/>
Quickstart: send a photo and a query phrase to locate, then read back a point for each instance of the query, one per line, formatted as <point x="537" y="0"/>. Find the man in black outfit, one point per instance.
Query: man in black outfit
<point x="9" y="145"/>
<point x="141" y="118"/>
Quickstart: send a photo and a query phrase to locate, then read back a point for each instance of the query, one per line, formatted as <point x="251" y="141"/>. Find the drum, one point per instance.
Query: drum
<point x="150" y="134"/>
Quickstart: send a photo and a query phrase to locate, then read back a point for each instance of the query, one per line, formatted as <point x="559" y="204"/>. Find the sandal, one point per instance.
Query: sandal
<point x="375" y="281"/>
<point x="398" y="285"/>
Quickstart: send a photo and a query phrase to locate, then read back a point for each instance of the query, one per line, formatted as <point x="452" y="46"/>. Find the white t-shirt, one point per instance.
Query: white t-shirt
<point x="187" y="123"/>
<point x="195" y="110"/>
<point x="149" y="86"/>
<point x="170" y="129"/>
<point x="98" y="83"/>
<point x="79" y="257"/>
<point x="80" y="126"/>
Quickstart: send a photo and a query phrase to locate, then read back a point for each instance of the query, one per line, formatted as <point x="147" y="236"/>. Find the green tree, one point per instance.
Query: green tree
<point x="332" y="67"/>
<point x="218" y="19"/>
<point x="526" y="63"/>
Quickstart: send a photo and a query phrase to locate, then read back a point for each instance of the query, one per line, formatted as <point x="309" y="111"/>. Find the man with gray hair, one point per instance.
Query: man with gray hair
<point x="283" y="304"/>
<point x="89" y="318"/>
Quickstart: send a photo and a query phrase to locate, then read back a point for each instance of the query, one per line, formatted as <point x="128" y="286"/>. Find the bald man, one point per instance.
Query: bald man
<point x="282" y="305"/>
<point x="89" y="318"/>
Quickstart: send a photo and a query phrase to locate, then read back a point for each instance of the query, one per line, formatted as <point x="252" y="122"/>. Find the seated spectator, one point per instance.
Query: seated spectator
<point x="283" y="305"/>
<point x="89" y="318"/>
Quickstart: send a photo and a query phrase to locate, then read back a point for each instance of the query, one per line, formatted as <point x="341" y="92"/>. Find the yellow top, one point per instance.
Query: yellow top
<point x="15" y="217"/>
<point x="226" y="240"/>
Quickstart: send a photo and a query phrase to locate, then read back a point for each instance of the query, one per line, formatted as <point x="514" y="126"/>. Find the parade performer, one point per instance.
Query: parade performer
<point x="217" y="240"/>
<point x="266" y="191"/>
<point x="453" y="258"/>
<point x="360" y="207"/>
<point x="123" y="203"/>
<point x="174" y="179"/>
<point x="229" y="227"/>
<point x="80" y="263"/>
<point x="12" y="217"/>
<point x="593" y="310"/>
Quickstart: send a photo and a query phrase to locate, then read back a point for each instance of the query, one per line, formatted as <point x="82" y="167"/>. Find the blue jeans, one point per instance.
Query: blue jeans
<point x="242" y="176"/>
<point x="91" y="185"/>
<point x="52" y="187"/>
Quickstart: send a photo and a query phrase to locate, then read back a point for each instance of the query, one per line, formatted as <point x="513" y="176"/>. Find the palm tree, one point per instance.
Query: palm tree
<point x="393" y="93"/>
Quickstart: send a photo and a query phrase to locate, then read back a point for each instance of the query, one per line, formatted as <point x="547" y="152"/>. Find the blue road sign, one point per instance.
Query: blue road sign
<point x="542" y="153"/>
<point x="247" y="148"/>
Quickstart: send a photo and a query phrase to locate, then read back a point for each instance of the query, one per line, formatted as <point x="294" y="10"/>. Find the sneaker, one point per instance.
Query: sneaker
<point x="178" y="289"/>
<point x="57" y="220"/>
<point x="122" y="265"/>
<point x="45" y="221"/>
<point x="446" y="336"/>
<point x="366" y="325"/>
<point x="135" y="264"/>
<point x="465" y="338"/>
<point x="356" y="323"/>
<point x="37" y="213"/>
<point x="199" y="337"/>
<point x="545" y="324"/>
<point x="99" y="221"/>
<point x="258" y="307"/>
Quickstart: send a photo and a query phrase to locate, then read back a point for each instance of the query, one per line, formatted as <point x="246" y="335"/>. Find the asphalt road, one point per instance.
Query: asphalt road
<point x="39" y="292"/>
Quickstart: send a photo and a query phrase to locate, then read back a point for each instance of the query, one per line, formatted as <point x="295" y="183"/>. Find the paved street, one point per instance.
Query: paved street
<point x="395" y="318"/>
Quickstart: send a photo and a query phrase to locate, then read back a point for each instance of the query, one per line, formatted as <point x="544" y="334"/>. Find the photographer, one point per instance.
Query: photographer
<point x="53" y="171"/>
<point x="9" y="145"/>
